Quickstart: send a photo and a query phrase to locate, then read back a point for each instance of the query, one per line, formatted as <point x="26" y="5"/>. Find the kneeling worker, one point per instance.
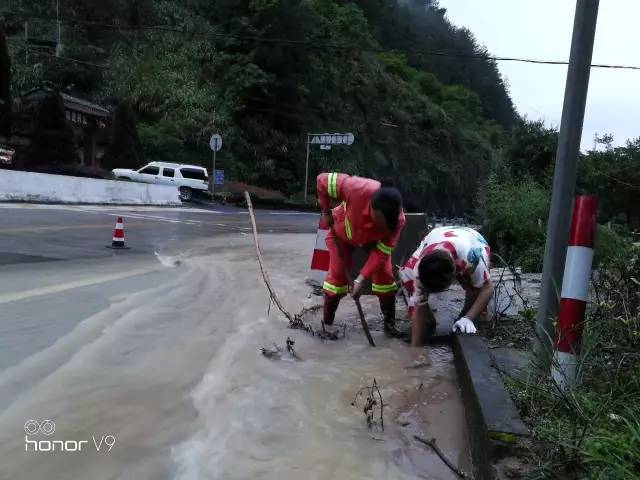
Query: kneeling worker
<point x="365" y="215"/>
<point x="445" y="254"/>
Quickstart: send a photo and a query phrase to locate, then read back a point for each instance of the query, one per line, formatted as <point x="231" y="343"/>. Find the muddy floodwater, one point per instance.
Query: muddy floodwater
<point x="174" y="376"/>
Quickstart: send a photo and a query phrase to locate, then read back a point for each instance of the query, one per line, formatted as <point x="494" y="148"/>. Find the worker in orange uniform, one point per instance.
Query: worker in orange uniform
<point x="361" y="213"/>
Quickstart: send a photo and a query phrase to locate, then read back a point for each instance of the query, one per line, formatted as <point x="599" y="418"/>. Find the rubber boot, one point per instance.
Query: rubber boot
<point x="388" y="307"/>
<point x="331" y="303"/>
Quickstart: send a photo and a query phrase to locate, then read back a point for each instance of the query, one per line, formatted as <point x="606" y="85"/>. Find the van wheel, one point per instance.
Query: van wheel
<point x="186" y="194"/>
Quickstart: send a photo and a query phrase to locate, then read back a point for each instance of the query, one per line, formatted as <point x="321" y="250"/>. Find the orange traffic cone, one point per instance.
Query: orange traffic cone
<point x="118" y="235"/>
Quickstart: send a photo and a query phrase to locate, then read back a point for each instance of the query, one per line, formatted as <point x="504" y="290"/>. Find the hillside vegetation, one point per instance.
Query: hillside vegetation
<point x="263" y="73"/>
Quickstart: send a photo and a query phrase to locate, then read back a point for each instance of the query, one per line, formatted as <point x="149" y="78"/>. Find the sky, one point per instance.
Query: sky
<point x="542" y="29"/>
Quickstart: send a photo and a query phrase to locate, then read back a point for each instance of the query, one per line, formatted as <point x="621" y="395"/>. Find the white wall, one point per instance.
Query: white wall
<point x="42" y="187"/>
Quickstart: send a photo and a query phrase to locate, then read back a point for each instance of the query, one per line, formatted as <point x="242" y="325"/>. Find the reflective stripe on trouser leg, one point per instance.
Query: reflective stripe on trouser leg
<point x="334" y="289"/>
<point x="384" y="289"/>
<point x="383" y="282"/>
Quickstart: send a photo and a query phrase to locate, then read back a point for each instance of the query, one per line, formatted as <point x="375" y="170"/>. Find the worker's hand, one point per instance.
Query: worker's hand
<point x="464" y="325"/>
<point x="327" y="218"/>
<point x="356" y="291"/>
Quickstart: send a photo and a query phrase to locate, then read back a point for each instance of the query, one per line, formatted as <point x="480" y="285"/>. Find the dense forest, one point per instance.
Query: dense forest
<point x="429" y="111"/>
<point x="264" y="73"/>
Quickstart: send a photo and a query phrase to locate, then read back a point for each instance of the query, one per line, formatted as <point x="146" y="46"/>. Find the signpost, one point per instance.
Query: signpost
<point x="325" y="141"/>
<point x="218" y="177"/>
<point x="215" y="143"/>
<point x="6" y="155"/>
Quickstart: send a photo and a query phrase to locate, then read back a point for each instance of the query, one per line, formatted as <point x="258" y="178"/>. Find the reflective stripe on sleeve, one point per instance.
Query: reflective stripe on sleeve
<point x="347" y="228"/>
<point x="333" y="185"/>
<point x="384" y="248"/>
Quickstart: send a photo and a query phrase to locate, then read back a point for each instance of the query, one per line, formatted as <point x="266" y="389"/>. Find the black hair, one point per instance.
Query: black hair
<point x="388" y="201"/>
<point x="436" y="271"/>
<point x="387" y="182"/>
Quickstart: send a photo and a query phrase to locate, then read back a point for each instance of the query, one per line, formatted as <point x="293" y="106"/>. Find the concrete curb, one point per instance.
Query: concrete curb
<point x="492" y="419"/>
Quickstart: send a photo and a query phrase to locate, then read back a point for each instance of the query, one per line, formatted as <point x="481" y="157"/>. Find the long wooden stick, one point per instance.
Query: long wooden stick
<point x="365" y="327"/>
<point x="432" y="443"/>
<point x="265" y="275"/>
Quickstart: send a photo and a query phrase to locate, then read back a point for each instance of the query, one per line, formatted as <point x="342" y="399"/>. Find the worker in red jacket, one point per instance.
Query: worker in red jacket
<point x="361" y="213"/>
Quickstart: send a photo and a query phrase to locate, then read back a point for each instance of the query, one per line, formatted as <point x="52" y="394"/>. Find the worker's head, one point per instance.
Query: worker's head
<point x="386" y="204"/>
<point x="436" y="271"/>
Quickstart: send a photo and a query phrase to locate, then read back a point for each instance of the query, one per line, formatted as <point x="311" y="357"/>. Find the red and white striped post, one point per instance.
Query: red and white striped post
<point x="575" y="288"/>
<point x="320" y="258"/>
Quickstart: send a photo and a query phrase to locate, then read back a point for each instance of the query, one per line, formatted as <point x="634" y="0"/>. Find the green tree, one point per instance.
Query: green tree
<point x="263" y="73"/>
<point x="125" y="150"/>
<point x="5" y="86"/>
<point x="532" y="150"/>
<point x="613" y="175"/>
<point x="53" y="139"/>
<point x="420" y="29"/>
<point x="513" y="214"/>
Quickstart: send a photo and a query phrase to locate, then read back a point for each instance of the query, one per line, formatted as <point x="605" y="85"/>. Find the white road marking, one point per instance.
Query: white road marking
<point x="154" y="217"/>
<point x="124" y="210"/>
<point x="62" y="287"/>
<point x="118" y="208"/>
<point x="140" y="216"/>
<point x="33" y="206"/>
<point x="143" y="209"/>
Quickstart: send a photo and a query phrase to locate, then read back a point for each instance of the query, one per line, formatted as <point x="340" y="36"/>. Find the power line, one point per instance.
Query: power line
<point x="113" y="26"/>
<point x="617" y="180"/>
<point x="40" y="51"/>
<point x="439" y="54"/>
<point x="175" y="29"/>
<point x="527" y="60"/>
<point x="318" y="44"/>
<point x="71" y="60"/>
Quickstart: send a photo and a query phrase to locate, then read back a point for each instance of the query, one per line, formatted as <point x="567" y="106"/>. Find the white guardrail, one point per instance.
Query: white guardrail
<point x="42" y="187"/>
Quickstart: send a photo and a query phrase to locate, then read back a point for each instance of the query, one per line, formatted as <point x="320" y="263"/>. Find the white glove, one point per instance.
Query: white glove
<point x="464" y="325"/>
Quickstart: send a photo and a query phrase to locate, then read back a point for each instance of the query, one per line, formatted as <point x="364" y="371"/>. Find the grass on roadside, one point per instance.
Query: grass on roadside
<point x="593" y="431"/>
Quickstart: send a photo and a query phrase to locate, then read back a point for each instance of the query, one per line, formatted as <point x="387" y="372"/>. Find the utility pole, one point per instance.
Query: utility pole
<point x="59" y="33"/>
<point x="213" y="174"/>
<point x="564" y="177"/>
<point x="26" y="42"/>
<point x="306" y="171"/>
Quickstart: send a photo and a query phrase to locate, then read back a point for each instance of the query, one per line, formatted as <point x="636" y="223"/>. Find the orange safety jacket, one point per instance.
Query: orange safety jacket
<point x="352" y="220"/>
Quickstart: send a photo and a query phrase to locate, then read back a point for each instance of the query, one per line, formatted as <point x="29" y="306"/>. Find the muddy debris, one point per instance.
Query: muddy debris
<point x="278" y="353"/>
<point x="434" y="446"/>
<point x="372" y="403"/>
<point x="323" y="333"/>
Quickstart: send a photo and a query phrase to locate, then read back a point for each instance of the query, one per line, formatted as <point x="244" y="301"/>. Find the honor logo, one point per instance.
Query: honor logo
<point x="46" y="428"/>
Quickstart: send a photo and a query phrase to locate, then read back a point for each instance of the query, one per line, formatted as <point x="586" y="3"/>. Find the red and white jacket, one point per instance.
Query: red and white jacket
<point x="352" y="218"/>
<point x="470" y="251"/>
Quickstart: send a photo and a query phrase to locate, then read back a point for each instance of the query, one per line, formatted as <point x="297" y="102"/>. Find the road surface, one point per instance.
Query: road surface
<point x="151" y="357"/>
<point x="55" y="270"/>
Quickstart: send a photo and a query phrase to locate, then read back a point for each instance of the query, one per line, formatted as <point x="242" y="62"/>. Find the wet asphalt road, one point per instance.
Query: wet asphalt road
<point x="55" y="269"/>
<point x="37" y="233"/>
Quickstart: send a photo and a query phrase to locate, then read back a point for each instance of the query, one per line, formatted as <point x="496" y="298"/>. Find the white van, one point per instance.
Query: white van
<point x="186" y="177"/>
